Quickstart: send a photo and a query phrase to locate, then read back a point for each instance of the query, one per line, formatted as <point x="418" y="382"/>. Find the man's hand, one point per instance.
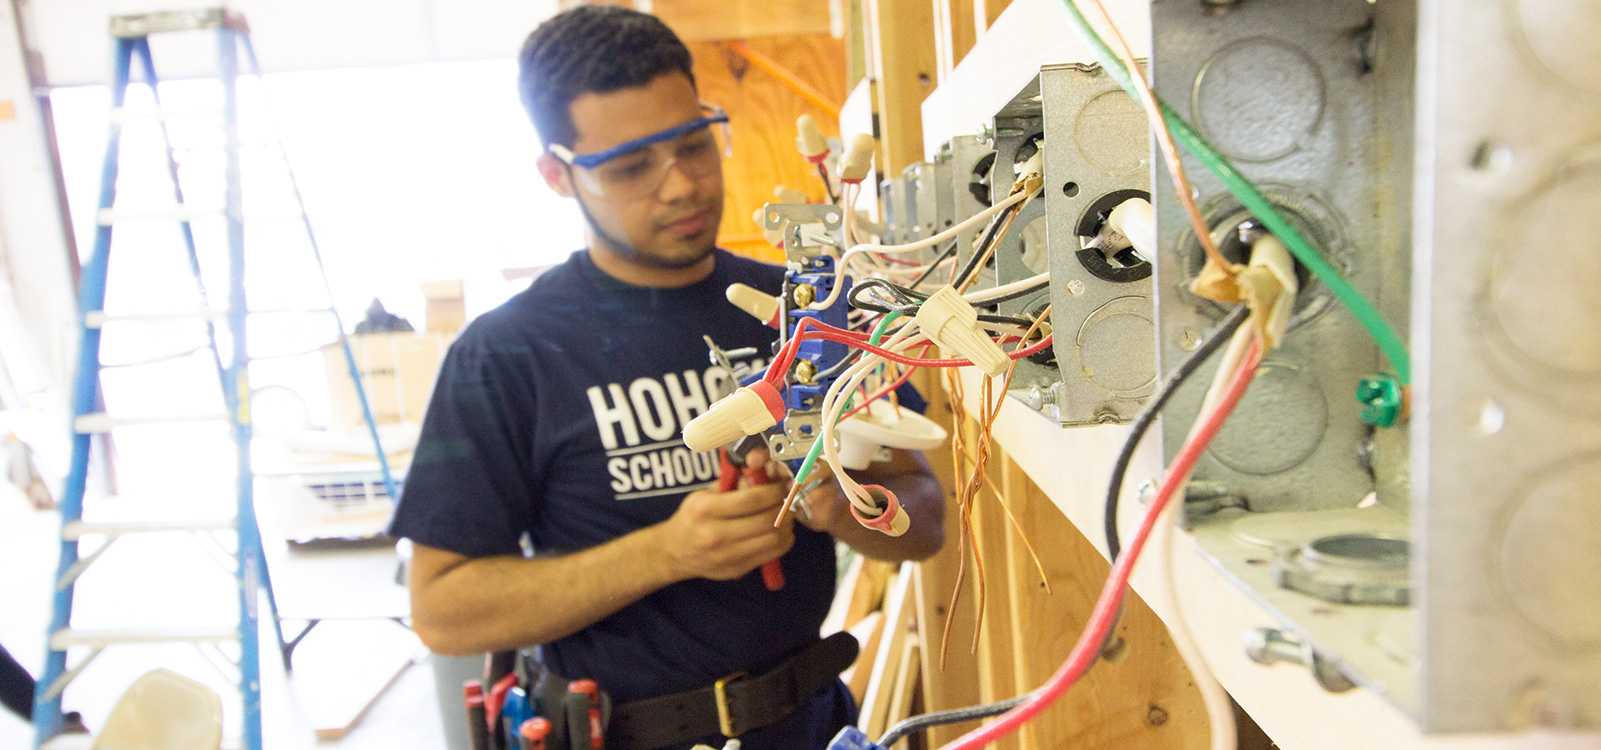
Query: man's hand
<point x="724" y="535"/>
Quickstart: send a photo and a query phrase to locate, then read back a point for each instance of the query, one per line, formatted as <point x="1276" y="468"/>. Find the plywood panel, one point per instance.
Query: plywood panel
<point x="762" y="111"/>
<point x="703" y="20"/>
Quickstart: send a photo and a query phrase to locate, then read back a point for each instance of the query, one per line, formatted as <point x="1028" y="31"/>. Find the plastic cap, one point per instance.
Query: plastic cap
<point x="810" y="140"/>
<point x="953" y="324"/>
<point x="748" y="411"/>
<point x="535" y="729"/>
<point x="891" y="520"/>
<point x="858" y="159"/>
<point x="761" y="305"/>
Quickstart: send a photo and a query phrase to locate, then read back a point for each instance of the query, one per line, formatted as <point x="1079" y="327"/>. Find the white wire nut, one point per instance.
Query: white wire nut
<point x="1133" y="219"/>
<point x="891" y="519"/>
<point x="858" y="159"/>
<point x="953" y="324"/>
<point x="748" y="411"/>
<point x="810" y="141"/>
<point x="761" y="305"/>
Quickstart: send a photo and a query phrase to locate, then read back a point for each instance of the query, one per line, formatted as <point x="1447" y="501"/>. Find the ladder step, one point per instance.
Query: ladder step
<point x="98" y="318"/>
<point x="64" y="639"/>
<point x="100" y="422"/>
<point x="107" y="216"/>
<point x="72" y="531"/>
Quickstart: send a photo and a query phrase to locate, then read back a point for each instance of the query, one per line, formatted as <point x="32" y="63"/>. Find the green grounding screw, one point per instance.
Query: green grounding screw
<point x="1382" y="400"/>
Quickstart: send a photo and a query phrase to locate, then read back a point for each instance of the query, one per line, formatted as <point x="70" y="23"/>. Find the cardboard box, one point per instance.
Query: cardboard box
<point x="397" y="372"/>
<point x="446" y="309"/>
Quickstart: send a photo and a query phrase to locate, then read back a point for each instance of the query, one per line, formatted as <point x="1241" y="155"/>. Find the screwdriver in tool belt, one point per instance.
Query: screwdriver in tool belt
<point x="727" y="480"/>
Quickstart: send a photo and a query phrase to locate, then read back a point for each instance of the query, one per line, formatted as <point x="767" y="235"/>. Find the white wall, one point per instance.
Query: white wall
<point x="292" y="34"/>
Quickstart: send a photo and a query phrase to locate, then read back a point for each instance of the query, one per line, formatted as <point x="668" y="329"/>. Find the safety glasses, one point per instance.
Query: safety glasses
<point x="639" y="167"/>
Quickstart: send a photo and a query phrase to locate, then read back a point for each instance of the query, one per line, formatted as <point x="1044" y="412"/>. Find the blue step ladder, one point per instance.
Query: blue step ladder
<point x="131" y="37"/>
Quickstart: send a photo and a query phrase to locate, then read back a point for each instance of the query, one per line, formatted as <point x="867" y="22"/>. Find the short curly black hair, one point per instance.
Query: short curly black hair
<point x="592" y="49"/>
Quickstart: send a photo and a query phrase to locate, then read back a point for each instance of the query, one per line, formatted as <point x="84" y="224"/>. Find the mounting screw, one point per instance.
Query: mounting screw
<point x="986" y="134"/>
<point x="1383" y="399"/>
<point x="1269" y="646"/>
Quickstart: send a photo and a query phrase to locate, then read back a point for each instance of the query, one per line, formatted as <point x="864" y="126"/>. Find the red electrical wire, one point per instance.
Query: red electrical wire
<point x="1106" y="607"/>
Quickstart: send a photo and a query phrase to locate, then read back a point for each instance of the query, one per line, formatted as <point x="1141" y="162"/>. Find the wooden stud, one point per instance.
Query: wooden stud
<point x="900" y="37"/>
<point x="954" y="34"/>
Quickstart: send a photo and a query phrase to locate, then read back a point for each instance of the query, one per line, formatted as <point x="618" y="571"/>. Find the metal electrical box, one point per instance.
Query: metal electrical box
<point x="1507" y="342"/>
<point x="1102" y="312"/>
<point x="1312" y="100"/>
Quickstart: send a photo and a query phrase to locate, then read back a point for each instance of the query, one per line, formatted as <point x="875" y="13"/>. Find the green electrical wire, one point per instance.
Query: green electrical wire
<point x="805" y="469"/>
<point x="1258" y="204"/>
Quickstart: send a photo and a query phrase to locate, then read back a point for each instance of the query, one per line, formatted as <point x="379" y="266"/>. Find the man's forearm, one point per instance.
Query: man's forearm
<point x="463" y="605"/>
<point x="921" y="498"/>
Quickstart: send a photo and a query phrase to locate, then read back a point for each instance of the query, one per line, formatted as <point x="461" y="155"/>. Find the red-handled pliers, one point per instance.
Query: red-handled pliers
<point x="732" y="460"/>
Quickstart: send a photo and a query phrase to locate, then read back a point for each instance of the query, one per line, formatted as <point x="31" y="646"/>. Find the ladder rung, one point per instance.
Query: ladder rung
<point x="74" y="530"/>
<point x="106" y="217"/>
<point x="98" y="318"/>
<point x="99" y="422"/>
<point x="62" y="640"/>
<point x="120" y="115"/>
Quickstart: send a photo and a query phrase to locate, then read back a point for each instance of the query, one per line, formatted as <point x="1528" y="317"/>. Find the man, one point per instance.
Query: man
<point x="559" y="416"/>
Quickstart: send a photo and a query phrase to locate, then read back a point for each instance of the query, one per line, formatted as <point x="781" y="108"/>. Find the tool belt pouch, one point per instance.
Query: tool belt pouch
<point x="568" y="713"/>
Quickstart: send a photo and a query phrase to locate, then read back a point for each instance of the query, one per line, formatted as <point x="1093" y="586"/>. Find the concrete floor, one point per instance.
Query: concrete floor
<point x="340" y="662"/>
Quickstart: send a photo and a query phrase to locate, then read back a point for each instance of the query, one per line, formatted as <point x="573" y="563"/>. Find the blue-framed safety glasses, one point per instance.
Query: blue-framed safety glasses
<point x="639" y="167"/>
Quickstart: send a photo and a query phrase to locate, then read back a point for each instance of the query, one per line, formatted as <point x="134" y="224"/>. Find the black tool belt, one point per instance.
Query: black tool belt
<point x="733" y="705"/>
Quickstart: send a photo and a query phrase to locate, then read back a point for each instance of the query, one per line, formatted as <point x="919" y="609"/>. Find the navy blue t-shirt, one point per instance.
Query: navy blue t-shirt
<point x="559" y="414"/>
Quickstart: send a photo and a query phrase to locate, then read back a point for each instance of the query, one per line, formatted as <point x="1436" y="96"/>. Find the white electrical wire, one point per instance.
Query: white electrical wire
<point x="1005" y="289"/>
<point x="857" y="250"/>
<point x="1219" y="709"/>
<point x="834" y="406"/>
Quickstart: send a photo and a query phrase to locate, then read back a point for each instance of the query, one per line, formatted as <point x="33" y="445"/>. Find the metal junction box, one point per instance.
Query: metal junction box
<point x="1313" y="101"/>
<point x="1506" y="335"/>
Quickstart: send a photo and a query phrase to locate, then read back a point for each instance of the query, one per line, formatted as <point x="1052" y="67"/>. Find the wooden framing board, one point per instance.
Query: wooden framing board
<point x="898" y="608"/>
<point x="901" y="58"/>
<point x="1143" y="696"/>
<point x="954" y="33"/>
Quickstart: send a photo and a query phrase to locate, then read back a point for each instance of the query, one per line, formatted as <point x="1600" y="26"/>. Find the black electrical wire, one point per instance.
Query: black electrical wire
<point x="828" y="187"/>
<point x="949" y="251"/>
<point x="1148" y="414"/>
<point x="989" y="237"/>
<point x="953" y="716"/>
<point x="904" y="301"/>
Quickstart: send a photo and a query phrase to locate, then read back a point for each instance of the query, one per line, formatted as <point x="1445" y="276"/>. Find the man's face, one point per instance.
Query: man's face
<point x="673" y="227"/>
